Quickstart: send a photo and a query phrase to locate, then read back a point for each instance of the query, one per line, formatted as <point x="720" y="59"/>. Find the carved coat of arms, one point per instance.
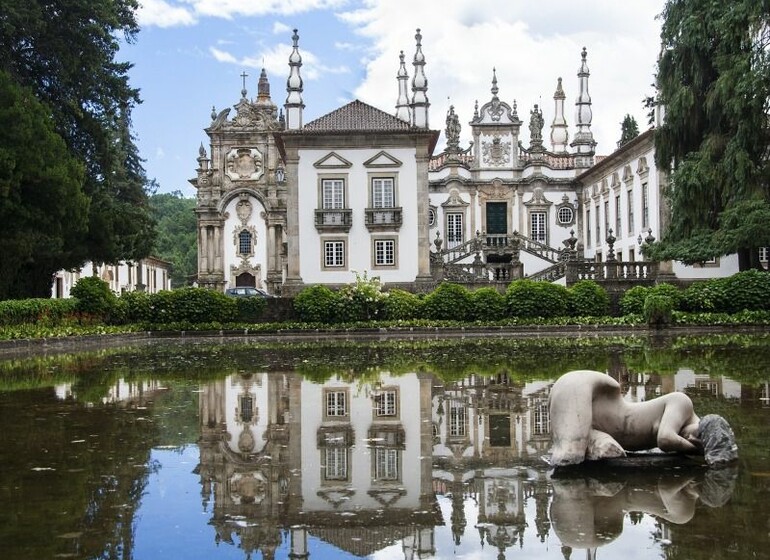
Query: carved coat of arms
<point x="496" y="152"/>
<point x="244" y="164"/>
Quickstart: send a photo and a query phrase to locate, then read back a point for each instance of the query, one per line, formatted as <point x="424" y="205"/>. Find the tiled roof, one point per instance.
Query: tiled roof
<point x="356" y="116"/>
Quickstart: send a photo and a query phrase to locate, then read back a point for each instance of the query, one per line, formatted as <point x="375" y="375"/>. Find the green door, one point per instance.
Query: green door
<point x="497" y="218"/>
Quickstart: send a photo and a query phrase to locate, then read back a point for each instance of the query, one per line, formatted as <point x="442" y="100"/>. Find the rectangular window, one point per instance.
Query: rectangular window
<point x="332" y="194"/>
<point x="335" y="463"/>
<point x="630" y="202"/>
<point x="457" y="419"/>
<point x="384" y="252"/>
<point x="383" y="192"/>
<point x="386" y="464"/>
<point x="618" y="230"/>
<point x="764" y="252"/>
<point x="588" y="227"/>
<point x="598" y="229"/>
<point x="336" y="403"/>
<point x="385" y="403"/>
<point x="334" y="254"/>
<point x="537" y="227"/>
<point x="454" y="230"/>
<point x="606" y="217"/>
<point x="542" y="420"/>
<point x="645" y="206"/>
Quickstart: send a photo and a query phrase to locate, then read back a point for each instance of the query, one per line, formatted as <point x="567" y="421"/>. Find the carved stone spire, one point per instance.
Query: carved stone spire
<point x="402" y="105"/>
<point x="263" y="87"/>
<point x="419" y="87"/>
<point x="583" y="143"/>
<point x="559" y="134"/>
<point x="294" y="104"/>
<point x="494" y="89"/>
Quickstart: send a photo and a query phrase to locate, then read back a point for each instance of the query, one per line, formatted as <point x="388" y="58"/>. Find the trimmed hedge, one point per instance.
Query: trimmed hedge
<point x="528" y="298"/>
<point x="587" y="299"/>
<point x="316" y="304"/>
<point x="37" y="310"/>
<point x="448" y="301"/>
<point x="402" y="305"/>
<point x="488" y="304"/>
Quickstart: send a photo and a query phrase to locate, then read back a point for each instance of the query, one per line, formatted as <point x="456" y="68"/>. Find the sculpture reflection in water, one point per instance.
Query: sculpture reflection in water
<point x="394" y="461"/>
<point x="588" y="510"/>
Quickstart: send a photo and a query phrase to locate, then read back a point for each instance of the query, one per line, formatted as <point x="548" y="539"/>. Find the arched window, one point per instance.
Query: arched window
<point x="244" y="243"/>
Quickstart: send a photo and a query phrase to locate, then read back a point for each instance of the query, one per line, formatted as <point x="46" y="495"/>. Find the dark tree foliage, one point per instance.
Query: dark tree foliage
<point x="64" y="51"/>
<point x="43" y="211"/>
<point x="176" y="240"/>
<point x="628" y="130"/>
<point x="714" y="82"/>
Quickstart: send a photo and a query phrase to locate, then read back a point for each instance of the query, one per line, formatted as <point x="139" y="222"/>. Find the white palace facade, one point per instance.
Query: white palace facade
<point x="284" y="203"/>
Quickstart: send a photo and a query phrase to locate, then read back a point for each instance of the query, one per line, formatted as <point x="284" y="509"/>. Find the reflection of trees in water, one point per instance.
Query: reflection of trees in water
<point x="99" y="461"/>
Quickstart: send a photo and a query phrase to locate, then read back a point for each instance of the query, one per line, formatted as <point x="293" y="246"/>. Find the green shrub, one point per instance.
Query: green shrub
<point x="488" y="304"/>
<point x="250" y="309"/>
<point x="136" y="307"/>
<point x="587" y="299"/>
<point x="528" y="298"/>
<point x="448" y="301"/>
<point x="705" y="296"/>
<point x="747" y="290"/>
<point x="658" y="310"/>
<point x="402" y="305"/>
<point x="36" y="310"/>
<point x="669" y="290"/>
<point x="316" y="304"/>
<point x="632" y="301"/>
<point x="362" y="301"/>
<point x="192" y="305"/>
<point x="93" y="296"/>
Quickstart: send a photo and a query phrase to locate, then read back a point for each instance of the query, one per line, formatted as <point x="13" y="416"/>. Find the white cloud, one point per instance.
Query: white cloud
<point x="279" y="28"/>
<point x="276" y="61"/>
<point x="159" y="153"/>
<point x="231" y="8"/>
<point x="162" y="14"/>
<point x="530" y="48"/>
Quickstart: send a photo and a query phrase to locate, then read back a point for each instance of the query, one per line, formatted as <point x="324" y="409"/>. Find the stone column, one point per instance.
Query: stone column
<point x="423" y="202"/>
<point x="218" y="249"/>
<point x="293" y="278"/>
<point x="203" y="254"/>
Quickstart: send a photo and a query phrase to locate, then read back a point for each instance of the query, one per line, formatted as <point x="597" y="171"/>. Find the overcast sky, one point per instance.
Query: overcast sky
<point x="189" y="56"/>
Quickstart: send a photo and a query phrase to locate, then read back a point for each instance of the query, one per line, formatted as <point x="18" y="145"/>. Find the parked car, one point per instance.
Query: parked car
<point x="247" y="292"/>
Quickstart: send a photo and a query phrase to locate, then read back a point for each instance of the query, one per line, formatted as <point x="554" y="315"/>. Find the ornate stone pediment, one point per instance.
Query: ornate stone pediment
<point x="382" y="159"/>
<point x="332" y="160"/>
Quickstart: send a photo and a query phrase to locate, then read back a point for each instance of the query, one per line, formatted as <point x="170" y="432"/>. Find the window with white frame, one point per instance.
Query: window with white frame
<point x="645" y="206"/>
<point x="332" y="194"/>
<point x="386" y="463"/>
<point x="335" y="462"/>
<point x="384" y="252"/>
<point x="618" y="229"/>
<point x="336" y="403"/>
<point x="454" y="229"/>
<point x="566" y="215"/>
<point x="334" y="254"/>
<point x="764" y="253"/>
<point x="541" y="420"/>
<point x="457" y="419"/>
<point x="383" y="192"/>
<point x="244" y="242"/>
<point x="606" y="217"/>
<point x="630" y="202"/>
<point x="386" y="403"/>
<point x="537" y="226"/>
<point x="431" y="217"/>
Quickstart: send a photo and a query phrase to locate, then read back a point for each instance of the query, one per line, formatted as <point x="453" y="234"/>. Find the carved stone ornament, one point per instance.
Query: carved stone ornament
<point x="244" y="164"/>
<point x="495" y="191"/>
<point x="243" y="210"/>
<point x="497" y="152"/>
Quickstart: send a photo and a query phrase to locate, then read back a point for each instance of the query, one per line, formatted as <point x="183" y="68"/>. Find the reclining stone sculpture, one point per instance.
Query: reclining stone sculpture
<point x="590" y="420"/>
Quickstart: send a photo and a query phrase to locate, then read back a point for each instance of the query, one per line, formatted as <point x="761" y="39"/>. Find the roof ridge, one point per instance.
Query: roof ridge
<point x="357" y="115"/>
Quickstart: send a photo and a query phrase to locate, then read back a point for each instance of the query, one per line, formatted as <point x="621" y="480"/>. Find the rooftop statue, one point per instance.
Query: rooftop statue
<point x="590" y="420"/>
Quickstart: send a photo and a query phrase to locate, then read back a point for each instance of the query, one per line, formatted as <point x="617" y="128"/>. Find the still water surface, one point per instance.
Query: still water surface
<point x="387" y="450"/>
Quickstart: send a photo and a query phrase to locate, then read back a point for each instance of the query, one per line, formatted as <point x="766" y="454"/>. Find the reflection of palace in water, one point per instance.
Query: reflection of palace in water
<point x="364" y="465"/>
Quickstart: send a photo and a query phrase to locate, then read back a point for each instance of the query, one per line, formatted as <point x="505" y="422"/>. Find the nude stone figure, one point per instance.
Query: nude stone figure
<point x="590" y="420"/>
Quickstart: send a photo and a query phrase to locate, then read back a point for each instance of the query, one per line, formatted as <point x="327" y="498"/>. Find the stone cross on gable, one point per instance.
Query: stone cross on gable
<point x="244" y="75"/>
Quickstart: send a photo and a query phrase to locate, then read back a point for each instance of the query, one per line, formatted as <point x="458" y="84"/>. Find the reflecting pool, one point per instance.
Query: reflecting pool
<point x="390" y="449"/>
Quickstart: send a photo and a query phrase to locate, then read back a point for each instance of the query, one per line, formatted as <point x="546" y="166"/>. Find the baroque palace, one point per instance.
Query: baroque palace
<point x="284" y="203"/>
